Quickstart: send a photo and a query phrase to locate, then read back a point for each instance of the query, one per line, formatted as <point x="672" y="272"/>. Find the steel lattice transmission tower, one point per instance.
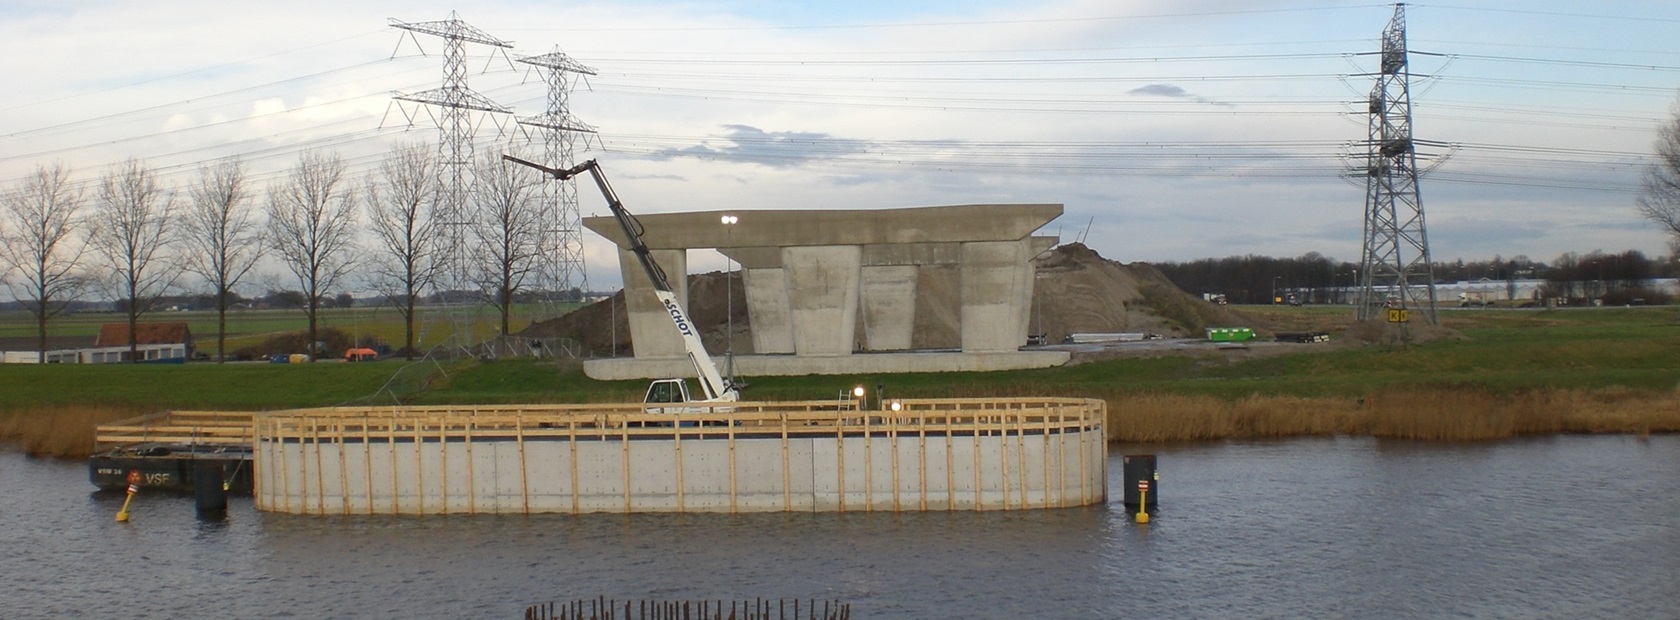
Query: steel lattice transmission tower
<point x="562" y="236"/>
<point x="456" y="104"/>
<point x="1396" y="271"/>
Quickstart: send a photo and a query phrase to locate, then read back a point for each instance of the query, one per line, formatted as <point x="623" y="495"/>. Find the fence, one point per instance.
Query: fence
<point x="214" y="428"/>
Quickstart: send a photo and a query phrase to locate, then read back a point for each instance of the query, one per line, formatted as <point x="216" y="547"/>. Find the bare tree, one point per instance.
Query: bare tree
<point x="1659" y="195"/>
<point x="401" y="203"/>
<point x="508" y="232"/>
<point x="41" y="215"/>
<point x="131" y="229"/>
<point x="312" y="224"/>
<point x="224" y="236"/>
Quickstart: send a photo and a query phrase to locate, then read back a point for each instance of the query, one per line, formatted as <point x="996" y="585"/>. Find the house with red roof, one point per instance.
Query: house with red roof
<point x="156" y="342"/>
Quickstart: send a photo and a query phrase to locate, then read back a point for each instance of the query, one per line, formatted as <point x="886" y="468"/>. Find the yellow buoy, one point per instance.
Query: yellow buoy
<point x="1143" y="501"/>
<point x="122" y="515"/>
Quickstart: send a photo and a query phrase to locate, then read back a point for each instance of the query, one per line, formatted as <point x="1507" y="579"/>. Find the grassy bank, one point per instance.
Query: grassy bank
<point x="1516" y="373"/>
<point x="250" y="327"/>
<point x="1453" y="413"/>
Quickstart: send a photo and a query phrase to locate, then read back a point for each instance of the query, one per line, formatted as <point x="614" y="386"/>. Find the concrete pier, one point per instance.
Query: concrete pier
<point x="649" y="321"/>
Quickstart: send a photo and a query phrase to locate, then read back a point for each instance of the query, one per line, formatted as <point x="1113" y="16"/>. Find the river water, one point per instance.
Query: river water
<point x="1557" y="527"/>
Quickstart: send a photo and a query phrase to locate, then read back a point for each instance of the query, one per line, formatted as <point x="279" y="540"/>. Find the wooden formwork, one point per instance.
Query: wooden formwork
<point x="304" y="450"/>
<point x="199" y="428"/>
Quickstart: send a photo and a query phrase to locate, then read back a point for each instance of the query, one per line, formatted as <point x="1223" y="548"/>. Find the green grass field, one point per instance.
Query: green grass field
<point x="1516" y="372"/>
<point x="249" y="327"/>
<point x="1505" y="350"/>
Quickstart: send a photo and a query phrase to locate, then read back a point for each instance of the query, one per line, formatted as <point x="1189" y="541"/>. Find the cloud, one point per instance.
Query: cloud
<point x="1174" y="91"/>
<point x="657" y="177"/>
<point x="1159" y="90"/>
<point x="776" y="149"/>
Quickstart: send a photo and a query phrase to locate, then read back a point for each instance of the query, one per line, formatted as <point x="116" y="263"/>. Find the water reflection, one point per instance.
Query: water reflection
<point x="1549" y="527"/>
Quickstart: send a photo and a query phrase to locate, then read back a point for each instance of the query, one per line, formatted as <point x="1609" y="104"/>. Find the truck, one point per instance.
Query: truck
<point x="662" y="392"/>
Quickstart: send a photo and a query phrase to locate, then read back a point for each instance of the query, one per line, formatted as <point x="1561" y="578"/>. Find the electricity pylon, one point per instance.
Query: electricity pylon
<point x="562" y="270"/>
<point x="1396" y="272"/>
<point x="456" y="104"/>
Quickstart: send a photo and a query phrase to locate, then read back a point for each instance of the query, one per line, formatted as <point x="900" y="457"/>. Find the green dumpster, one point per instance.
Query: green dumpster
<point x="1230" y="334"/>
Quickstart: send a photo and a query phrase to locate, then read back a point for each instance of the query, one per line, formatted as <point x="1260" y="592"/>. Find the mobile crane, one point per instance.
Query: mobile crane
<point x="715" y="388"/>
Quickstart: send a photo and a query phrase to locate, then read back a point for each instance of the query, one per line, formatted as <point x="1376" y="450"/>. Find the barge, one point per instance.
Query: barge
<point x="159" y="451"/>
<point x="169" y="467"/>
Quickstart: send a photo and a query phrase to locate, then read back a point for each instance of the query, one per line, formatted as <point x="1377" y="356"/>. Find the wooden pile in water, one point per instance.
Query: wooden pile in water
<point x="602" y="608"/>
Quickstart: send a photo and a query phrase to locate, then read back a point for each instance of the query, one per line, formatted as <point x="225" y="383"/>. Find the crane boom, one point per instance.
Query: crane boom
<point x="711" y="381"/>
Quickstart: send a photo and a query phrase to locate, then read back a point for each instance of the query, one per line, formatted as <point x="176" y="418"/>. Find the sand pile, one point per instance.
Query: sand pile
<point x="1076" y="291"/>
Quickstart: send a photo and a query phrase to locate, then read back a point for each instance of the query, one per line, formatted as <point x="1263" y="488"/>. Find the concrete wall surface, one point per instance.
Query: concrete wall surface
<point x="883" y="471"/>
<point x="768" y="309"/>
<point x="650" y="324"/>
<point x="995" y="287"/>
<point x="810" y="227"/>
<point x="889" y="306"/>
<point x="822" y="286"/>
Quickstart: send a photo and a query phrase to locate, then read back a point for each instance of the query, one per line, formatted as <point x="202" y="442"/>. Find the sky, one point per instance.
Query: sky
<point x="1170" y="130"/>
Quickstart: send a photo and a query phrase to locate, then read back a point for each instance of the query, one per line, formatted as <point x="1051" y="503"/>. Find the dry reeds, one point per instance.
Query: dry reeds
<point x="1445" y="413"/>
<point x="1176" y="417"/>
<point x="61" y="432"/>
<point x="1433" y="413"/>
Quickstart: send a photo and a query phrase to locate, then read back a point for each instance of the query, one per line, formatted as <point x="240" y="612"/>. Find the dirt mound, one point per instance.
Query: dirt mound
<point x="1079" y="291"/>
<point x="1076" y="291"/>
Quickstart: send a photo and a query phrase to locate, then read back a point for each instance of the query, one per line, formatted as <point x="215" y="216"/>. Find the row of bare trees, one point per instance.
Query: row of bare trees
<point x="136" y="237"/>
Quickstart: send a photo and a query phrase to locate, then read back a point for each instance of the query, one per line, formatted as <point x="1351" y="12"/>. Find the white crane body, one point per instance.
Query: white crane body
<point x="712" y="384"/>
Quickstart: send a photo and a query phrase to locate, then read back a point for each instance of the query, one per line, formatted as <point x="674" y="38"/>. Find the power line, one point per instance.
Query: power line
<point x="945" y="24"/>
<point x="176" y="104"/>
<point x="977" y="62"/>
<point x="1639" y="18"/>
<point x="190" y="72"/>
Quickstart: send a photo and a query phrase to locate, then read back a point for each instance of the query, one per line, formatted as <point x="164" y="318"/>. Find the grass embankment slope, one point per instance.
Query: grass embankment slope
<point x="1516" y="372"/>
<point x="251" y="327"/>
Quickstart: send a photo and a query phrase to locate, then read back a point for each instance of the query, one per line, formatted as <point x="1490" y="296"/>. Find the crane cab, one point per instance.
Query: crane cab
<point x="665" y="391"/>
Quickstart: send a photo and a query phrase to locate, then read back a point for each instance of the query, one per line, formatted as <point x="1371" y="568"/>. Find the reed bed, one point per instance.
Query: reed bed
<point x="1432" y="413"/>
<point x="58" y="431"/>
<point x="1438" y="413"/>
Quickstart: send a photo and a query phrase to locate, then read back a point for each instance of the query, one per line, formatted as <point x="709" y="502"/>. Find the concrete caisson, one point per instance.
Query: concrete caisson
<point x="802" y="457"/>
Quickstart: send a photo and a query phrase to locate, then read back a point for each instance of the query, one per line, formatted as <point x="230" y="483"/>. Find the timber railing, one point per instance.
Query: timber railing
<point x="966" y="416"/>
<point x="208" y="428"/>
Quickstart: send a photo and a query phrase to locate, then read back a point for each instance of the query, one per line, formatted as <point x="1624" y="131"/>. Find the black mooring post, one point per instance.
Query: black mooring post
<point x="1140" y="468"/>
<point x="209" y="490"/>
